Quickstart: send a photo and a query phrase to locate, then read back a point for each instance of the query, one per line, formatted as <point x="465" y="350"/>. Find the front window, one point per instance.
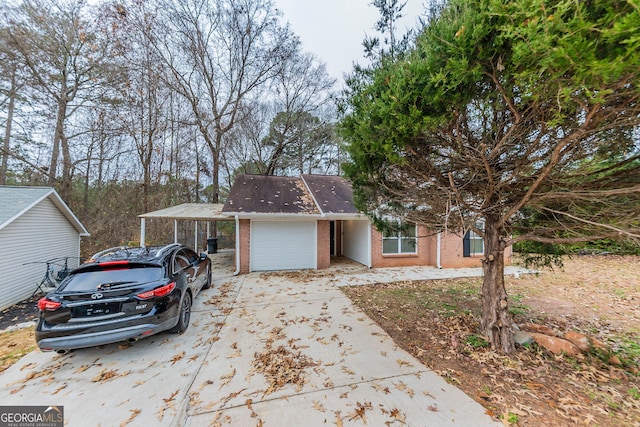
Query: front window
<point x="400" y="241"/>
<point x="473" y="242"/>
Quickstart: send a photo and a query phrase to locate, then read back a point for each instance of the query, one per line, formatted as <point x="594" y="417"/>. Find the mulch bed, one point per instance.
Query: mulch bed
<point x="24" y="311"/>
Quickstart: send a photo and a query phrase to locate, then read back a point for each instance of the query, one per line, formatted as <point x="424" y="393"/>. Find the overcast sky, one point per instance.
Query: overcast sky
<point x="333" y="30"/>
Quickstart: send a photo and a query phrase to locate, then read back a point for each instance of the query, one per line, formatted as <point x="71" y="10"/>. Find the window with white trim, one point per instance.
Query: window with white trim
<point x="402" y="241"/>
<point x="473" y="243"/>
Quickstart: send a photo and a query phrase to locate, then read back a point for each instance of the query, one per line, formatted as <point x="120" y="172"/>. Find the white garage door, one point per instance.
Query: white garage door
<point x="279" y="245"/>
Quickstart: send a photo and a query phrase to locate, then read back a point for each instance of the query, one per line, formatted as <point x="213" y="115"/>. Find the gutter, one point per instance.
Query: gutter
<point x="235" y="273"/>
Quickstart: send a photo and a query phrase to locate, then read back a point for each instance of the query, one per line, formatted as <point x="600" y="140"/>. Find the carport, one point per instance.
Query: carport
<point x="209" y="212"/>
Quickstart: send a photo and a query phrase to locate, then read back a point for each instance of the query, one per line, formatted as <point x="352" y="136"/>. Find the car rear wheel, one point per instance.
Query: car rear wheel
<point x="185" y="315"/>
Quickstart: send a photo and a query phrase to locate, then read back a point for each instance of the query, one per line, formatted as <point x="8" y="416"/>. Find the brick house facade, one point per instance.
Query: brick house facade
<point x="304" y="222"/>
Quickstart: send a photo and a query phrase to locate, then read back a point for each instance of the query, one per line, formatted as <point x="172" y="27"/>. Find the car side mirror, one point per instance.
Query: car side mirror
<point x="203" y="256"/>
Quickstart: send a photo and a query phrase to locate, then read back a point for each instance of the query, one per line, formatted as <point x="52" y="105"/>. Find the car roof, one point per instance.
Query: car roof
<point x="135" y="254"/>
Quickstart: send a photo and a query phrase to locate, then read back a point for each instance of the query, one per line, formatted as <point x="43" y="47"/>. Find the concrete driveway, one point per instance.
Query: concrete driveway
<point x="273" y="349"/>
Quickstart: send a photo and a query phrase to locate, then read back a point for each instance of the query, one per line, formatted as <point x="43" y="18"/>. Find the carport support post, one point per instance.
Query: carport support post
<point x="195" y="244"/>
<point x="142" y="231"/>
<point x="175" y="231"/>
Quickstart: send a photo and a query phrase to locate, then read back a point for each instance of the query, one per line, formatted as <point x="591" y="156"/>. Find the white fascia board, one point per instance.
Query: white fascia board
<point x="272" y="216"/>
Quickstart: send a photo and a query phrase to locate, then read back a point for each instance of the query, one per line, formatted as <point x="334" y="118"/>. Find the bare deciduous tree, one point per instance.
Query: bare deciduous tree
<point x="56" y="43"/>
<point x="218" y="54"/>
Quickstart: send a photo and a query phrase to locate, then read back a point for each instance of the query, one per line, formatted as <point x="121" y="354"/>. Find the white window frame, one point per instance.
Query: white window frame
<point x="400" y="239"/>
<point x="475" y="239"/>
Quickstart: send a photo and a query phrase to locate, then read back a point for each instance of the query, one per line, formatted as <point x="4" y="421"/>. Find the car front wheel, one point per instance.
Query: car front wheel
<point x="207" y="283"/>
<point x="184" y="316"/>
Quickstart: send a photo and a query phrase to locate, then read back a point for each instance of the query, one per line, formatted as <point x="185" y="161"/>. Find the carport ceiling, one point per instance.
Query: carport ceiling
<point x="190" y="211"/>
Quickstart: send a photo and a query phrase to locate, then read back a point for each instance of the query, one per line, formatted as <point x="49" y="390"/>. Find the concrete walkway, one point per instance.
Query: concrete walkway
<point x="335" y="366"/>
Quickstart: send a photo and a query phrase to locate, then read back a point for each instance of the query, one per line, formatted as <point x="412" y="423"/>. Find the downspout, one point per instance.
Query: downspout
<point x="235" y="273"/>
<point x="369" y="239"/>
<point x="438" y="252"/>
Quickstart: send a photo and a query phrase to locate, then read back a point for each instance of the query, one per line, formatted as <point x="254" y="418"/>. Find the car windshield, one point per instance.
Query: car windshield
<point x="110" y="279"/>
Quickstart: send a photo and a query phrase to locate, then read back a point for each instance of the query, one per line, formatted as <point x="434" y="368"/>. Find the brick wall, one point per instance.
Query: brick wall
<point x="245" y="241"/>
<point x="399" y="260"/>
<point x="451" y="253"/>
<point x="324" y="248"/>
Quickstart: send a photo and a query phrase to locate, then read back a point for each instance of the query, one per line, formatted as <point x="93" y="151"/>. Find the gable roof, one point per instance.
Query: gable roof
<point x="332" y="193"/>
<point x="18" y="200"/>
<point x="269" y="194"/>
<point x="309" y="195"/>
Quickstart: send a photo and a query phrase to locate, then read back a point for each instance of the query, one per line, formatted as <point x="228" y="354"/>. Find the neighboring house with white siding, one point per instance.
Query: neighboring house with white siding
<point x="35" y="226"/>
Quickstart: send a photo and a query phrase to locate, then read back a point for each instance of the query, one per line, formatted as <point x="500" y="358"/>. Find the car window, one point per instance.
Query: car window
<point x="185" y="260"/>
<point x="92" y="280"/>
<point x="191" y="255"/>
<point x="180" y="261"/>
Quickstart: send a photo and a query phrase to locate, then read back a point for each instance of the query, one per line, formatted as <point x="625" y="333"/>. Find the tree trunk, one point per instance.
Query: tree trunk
<point x="6" y="146"/>
<point x="496" y="319"/>
<point x="58" y="134"/>
<point x="216" y="168"/>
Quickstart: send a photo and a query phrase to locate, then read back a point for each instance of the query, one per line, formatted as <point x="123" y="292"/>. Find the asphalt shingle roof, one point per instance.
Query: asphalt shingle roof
<point x="306" y="195"/>
<point x="17" y="199"/>
<point x="269" y="194"/>
<point x="332" y="193"/>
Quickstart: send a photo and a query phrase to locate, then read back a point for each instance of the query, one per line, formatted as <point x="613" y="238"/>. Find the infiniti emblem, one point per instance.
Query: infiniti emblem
<point x="97" y="295"/>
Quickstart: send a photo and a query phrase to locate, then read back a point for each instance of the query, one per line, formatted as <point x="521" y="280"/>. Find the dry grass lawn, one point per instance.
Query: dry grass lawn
<point x="438" y="322"/>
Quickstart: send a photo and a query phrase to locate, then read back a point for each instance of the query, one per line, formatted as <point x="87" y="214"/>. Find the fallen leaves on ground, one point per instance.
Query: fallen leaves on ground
<point x="168" y="404"/>
<point x="281" y="365"/>
<point x="438" y="322"/>
<point x="134" y="414"/>
<point x="226" y="379"/>
<point x="177" y="357"/>
<point x="359" y="412"/>
<point x="107" y="375"/>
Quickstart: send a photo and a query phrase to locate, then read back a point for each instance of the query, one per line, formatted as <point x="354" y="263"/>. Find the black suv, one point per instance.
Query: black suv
<point x="122" y="294"/>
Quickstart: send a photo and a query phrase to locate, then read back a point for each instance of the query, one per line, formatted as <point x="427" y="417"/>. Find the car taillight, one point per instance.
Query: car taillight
<point x="158" y="292"/>
<point x="114" y="265"/>
<point x="45" y="304"/>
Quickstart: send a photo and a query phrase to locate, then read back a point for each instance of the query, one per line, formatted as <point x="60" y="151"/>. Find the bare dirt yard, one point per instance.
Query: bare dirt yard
<point x="438" y="322"/>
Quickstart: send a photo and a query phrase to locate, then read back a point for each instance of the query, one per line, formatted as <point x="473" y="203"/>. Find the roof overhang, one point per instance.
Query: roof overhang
<point x="191" y="211"/>
<point x="290" y="216"/>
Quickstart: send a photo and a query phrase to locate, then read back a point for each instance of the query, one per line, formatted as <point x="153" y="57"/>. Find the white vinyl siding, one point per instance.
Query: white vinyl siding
<point x="39" y="234"/>
<point x="283" y="245"/>
<point x="356" y="241"/>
